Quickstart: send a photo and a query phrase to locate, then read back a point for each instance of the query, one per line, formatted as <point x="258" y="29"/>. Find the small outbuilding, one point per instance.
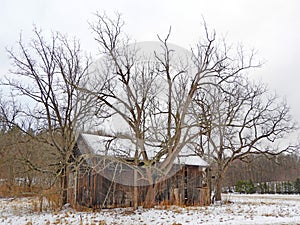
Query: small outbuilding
<point x="106" y="176"/>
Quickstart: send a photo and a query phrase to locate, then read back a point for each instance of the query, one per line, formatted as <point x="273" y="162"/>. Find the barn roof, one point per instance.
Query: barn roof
<point x="124" y="148"/>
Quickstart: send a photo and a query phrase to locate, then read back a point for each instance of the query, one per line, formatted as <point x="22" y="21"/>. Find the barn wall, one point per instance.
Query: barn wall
<point x="186" y="187"/>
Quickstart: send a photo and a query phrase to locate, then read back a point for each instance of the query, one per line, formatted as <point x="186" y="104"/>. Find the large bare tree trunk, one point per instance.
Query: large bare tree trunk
<point x="149" y="201"/>
<point x="218" y="193"/>
<point x="219" y="183"/>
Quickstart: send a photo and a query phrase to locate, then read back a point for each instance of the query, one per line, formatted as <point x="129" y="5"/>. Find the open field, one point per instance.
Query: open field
<point x="239" y="209"/>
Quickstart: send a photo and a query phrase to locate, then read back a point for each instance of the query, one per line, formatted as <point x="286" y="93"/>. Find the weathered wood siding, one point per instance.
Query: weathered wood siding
<point x="186" y="187"/>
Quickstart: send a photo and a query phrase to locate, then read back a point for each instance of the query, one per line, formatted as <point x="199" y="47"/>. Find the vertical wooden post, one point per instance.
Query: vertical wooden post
<point x="75" y="188"/>
<point x="94" y="189"/>
<point x="135" y="189"/>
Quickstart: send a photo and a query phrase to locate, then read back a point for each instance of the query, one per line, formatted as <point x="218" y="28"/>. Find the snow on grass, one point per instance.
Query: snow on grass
<point x="239" y="209"/>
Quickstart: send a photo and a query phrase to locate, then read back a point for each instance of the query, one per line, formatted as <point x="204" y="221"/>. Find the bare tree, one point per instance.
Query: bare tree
<point x="42" y="79"/>
<point x="151" y="97"/>
<point x="244" y="119"/>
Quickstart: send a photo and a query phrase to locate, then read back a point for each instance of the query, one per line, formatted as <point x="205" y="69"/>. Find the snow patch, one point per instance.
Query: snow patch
<point x="236" y="209"/>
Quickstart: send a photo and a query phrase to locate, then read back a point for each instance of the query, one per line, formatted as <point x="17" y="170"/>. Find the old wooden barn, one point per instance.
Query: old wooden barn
<point x="103" y="178"/>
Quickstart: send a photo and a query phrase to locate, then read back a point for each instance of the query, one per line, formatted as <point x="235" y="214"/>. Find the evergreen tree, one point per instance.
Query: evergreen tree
<point x="297" y="186"/>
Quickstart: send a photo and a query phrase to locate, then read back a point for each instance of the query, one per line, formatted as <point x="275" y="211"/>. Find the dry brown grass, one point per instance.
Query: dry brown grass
<point x="16" y="191"/>
<point x="47" y="199"/>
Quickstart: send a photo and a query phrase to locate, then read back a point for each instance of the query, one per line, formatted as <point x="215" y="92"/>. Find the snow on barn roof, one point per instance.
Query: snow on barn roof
<point x="122" y="147"/>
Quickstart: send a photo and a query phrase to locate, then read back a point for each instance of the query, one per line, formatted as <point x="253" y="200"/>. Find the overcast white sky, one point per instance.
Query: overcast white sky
<point x="270" y="26"/>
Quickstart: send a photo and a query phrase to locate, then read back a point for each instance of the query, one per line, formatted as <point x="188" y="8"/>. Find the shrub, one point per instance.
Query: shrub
<point x="247" y="187"/>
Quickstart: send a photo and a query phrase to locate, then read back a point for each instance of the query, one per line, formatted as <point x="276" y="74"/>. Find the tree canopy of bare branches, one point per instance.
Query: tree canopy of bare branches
<point x="244" y="118"/>
<point x="44" y="74"/>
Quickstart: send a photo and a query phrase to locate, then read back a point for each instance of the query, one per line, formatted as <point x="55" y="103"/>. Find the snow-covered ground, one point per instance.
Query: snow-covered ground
<point x="239" y="209"/>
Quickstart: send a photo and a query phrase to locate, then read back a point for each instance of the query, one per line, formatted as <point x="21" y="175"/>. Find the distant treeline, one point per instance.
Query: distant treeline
<point x="279" y="174"/>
